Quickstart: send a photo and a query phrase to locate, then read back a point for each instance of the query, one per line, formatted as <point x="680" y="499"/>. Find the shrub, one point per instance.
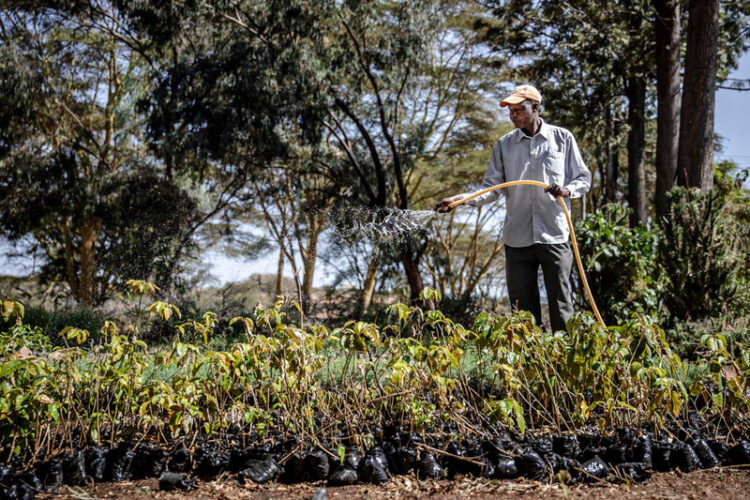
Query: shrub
<point x="701" y="253"/>
<point x="16" y="336"/>
<point x="620" y="263"/>
<point x="52" y="322"/>
<point x="685" y="336"/>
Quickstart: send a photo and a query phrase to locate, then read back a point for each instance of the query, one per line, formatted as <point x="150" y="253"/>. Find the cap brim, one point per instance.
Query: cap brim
<point x="511" y="100"/>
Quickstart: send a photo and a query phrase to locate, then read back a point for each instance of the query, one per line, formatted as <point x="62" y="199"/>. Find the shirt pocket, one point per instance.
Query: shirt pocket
<point x="554" y="167"/>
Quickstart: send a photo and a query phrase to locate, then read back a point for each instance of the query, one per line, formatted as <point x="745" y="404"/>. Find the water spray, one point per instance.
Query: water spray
<point x="570" y="226"/>
<point x="381" y="225"/>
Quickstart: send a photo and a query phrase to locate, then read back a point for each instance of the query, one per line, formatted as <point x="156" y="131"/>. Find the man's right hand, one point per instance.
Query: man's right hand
<point x="443" y="205"/>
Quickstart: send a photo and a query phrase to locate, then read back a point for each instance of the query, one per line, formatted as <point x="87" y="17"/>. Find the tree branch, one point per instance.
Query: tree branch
<point x="379" y="170"/>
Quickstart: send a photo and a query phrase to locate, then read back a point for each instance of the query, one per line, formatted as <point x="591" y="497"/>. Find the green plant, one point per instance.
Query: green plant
<point x="51" y="322"/>
<point x="15" y="334"/>
<point x="728" y="378"/>
<point x="22" y="335"/>
<point x="701" y="254"/>
<point x="685" y="336"/>
<point x="612" y="376"/>
<point x="620" y="263"/>
<point x="326" y="386"/>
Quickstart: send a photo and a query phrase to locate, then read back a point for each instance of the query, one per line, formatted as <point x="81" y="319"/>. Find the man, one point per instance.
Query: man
<point x="535" y="231"/>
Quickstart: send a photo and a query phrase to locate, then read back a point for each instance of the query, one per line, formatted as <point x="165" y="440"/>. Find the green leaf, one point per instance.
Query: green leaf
<point x="718" y="399"/>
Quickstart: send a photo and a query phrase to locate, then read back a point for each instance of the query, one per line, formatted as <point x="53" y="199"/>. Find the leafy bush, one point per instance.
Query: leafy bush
<point x="620" y="263"/>
<point x="21" y="335"/>
<point x="730" y="181"/>
<point x="701" y="253"/>
<point x="685" y="336"/>
<point x="51" y="323"/>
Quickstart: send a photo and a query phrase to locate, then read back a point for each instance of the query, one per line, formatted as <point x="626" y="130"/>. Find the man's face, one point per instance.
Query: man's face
<point x="523" y="114"/>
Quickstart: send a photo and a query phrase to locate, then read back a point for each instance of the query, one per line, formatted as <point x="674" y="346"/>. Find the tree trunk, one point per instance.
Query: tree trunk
<point x="308" y="272"/>
<point x="636" y="91"/>
<point x="667" y="31"/>
<point x="87" y="274"/>
<point x="279" y="274"/>
<point x="413" y="277"/>
<point x="314" y="228"/>
<point x="612" y="160"/>
<point x="695" y="160"/>
<point x="613" y="165"/>
<point x="368" y="289"/>
<point x="70" y="263"/>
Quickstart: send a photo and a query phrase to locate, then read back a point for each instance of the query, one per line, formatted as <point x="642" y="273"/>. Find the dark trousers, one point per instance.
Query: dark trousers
<point x="521" y="268"/>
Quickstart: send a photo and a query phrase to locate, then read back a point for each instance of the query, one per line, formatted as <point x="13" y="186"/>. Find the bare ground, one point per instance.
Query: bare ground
<point x="720" y="483"/>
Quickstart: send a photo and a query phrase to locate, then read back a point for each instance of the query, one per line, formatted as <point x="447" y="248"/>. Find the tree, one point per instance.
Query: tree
<point x="74" y="173"/>
<point x="433" y="93"/>
<point x="667" y="39"/>
<point x="354" y="74"/>
<point x="466" y="252"/>
<point x="293" y="204"/>
<point x="636" y="90"/>
<point x="383" y="45"/>
<point x="230" y="109"/>
<point x="695" y="161"/>
<point x="717" y="33"/>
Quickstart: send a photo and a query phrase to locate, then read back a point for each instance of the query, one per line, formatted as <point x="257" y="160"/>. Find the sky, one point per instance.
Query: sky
<point x="732" y="110"/>
<point x="730" y="119"/>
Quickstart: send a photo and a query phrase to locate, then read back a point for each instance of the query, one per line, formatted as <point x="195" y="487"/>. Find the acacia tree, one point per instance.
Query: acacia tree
<point x="230" y="108"/>
<point x="293" y="204"/>
<point x="470" y="249"/>
<point x="434" y="95"/>
<point x="379" y="46"/>
<point x="233" y="110"/>
<point x="74" y="173"/>
<point x="466" y="251"/>
<point x="353" y="73"/>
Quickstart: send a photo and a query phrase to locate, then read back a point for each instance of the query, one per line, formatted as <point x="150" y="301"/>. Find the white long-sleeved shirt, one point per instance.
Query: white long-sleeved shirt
<point x="533" y="216"/>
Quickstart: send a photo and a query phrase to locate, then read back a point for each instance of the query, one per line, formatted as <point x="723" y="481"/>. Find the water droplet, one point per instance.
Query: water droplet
<point x="381" y="225"/>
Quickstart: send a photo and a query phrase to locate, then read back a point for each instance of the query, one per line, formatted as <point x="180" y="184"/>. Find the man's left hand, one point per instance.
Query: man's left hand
<point x="557" y="190"/>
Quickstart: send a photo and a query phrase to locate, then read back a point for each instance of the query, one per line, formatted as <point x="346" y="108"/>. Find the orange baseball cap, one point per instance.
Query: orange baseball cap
<point x="520" y="94"/>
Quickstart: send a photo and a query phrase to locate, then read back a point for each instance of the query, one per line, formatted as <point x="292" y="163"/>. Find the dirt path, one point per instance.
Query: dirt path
<point x="722" y="483"/>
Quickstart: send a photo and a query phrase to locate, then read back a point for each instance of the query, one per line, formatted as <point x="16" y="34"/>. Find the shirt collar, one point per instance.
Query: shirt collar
<point x="543" y="131"/>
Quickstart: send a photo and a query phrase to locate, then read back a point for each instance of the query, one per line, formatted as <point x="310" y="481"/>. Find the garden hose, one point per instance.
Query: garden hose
<point x="570" y="226"/>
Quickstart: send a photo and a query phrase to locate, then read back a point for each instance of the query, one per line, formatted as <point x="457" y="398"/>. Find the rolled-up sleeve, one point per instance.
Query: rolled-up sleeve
<point x="575" y="170"/>
<point x="494" y="175"/>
